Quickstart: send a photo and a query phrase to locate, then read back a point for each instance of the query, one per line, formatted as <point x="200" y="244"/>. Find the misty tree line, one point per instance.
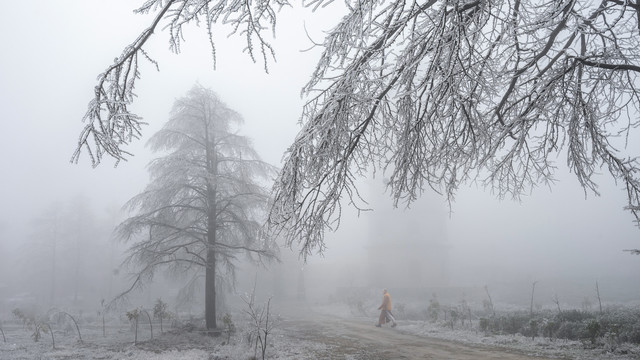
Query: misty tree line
<point x="66" y="258"/>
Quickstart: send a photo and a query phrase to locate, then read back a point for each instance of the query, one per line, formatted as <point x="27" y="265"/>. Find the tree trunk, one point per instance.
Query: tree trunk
<point x="52" y="295"/>
<point x="533" y="289"/>
<point x="210" y="275"/>
<point x="210" y="290"/>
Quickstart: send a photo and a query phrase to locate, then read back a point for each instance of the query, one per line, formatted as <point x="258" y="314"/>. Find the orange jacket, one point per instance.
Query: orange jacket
<point x="386" y="302"/>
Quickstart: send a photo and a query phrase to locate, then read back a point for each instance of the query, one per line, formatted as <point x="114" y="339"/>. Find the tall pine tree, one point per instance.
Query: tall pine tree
<point x="205" y="201"/>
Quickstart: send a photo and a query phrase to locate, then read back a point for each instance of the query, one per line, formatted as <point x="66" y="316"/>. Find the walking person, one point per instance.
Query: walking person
<point x="385" y="310"/>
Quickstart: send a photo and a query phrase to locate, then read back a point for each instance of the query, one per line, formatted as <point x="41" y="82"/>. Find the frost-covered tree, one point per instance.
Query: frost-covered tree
<point x="205" y="202"/>
<point x="41" y="254"/>
<point x="82" y="236"/>
<point x="438" y="93"/>
<point x="433" y="93"/>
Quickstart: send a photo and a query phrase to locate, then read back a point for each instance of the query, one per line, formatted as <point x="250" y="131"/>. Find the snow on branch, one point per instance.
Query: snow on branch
<point x="109" y="124"/>
<point x="436" y="94"/>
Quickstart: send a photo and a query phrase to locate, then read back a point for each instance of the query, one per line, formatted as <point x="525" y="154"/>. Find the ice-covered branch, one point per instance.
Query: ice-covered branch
<point x="439" y="94"/>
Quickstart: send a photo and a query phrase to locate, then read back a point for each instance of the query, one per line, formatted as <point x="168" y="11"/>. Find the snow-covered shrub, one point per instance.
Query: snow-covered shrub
<point x="452" y="318"/>
<point x="531" y="329"/>
<point x="433" y="310"/>
<point x="229" y="326"/>
<point x="160" y="312"/>
<point x="550" y="328"/>
<point x="134" y="316"/>
<point x="515" y="323"/>
<point x="569" y="330"/>
<point x="593" y="329"/>
<point x="464" y="311"/>
<point x="402" y="311"/>
<point x="261" y="325"/>
<point x="483" y="324"/>
<point x="487" y="307"/>
<point x="357" y="300"/>
<point x="574" y="316"/>
<point x="31" y="322"/>
<point x="623" y="324"/>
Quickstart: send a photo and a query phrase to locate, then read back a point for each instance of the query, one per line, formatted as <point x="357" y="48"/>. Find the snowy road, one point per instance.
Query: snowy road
<point x="359" y="340"/>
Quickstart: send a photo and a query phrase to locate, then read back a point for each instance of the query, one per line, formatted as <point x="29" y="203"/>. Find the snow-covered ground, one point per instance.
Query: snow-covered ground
<point x="182" y="343"/>
<point x="173" y="344"/>
<point x="540" y="346"/>
<point x="537" y="347"/>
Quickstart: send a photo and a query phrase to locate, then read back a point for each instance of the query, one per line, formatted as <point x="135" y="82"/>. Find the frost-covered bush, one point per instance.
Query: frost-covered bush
<point x="409" y="312"/>
<point x="160" y="312"/>
<point x="483" y="324"/>
<point x="32" y="322"/>
<point x="357" y="299"/>
<point x="550" y="328"/>
<point x="622" y="323"/>
<point x="229" y="326"/>
<point x="574" y="316"/>
<point x="514" y="323"/>
<point x="618" y="325"/>
<point x="593" y="330"/>
<point x="570" y="330"/>
<point x="531" y="329"/>
<point x="433" y="309"/>
<point x="607" y="329"/>
<point x="631" y="334"/>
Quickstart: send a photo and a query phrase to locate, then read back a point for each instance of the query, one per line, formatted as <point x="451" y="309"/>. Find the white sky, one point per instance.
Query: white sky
<point x="54" y="50"/>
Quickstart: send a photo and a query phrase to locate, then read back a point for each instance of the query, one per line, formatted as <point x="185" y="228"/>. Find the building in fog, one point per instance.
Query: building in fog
<point x="407" y="247"/>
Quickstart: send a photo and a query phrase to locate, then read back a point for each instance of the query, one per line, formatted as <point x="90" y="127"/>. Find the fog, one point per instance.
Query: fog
<point x="564" y="239"/>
